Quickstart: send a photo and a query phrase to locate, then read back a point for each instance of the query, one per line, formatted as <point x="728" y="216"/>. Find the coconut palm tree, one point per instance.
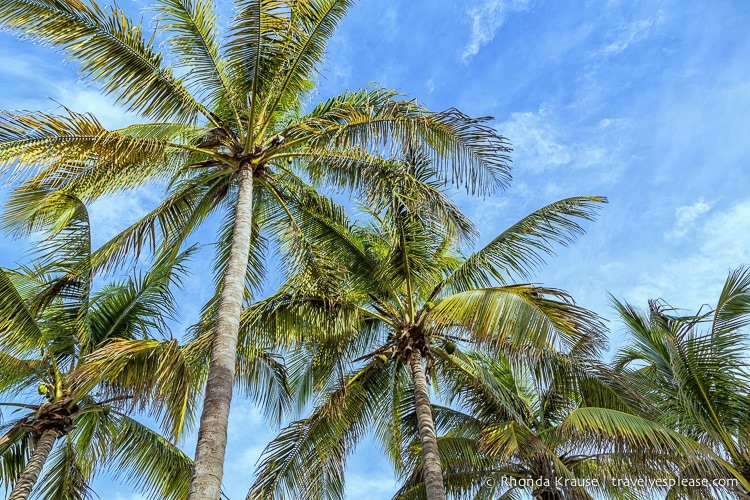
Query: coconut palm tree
<point x="71" y="386"/>
<point x="545" y="425"/>
<point x="398" y="293"/>
<point x="694" y="370"/>
<point x="225" y="132"/>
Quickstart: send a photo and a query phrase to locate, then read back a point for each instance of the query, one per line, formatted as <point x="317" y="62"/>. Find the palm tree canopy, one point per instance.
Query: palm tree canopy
<point x="394" y="283"/>
<point x="694" y="370"/>
<point x="237" y="103"/>
<point x="57" y="339"/>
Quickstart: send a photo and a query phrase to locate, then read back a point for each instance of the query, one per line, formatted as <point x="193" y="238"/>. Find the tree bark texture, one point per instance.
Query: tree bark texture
<point x="208" y="466"/>
<point x="433" y="473"/>
<point x="31" y="472"/>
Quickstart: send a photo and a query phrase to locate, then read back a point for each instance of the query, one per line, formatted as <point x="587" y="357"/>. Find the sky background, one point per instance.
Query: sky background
<point x="646" y="103"/>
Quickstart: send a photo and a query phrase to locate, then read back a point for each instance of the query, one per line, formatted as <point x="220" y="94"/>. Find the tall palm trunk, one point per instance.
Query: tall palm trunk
<point x="433" y="473"/>
<point x="208" y="467"/>
<point x="31" y="472"/>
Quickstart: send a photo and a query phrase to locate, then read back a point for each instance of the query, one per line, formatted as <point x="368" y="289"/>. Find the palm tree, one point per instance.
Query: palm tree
<point x="231" y="124"/>
<point x="397" y="293"/>
<point x="544" y="424"/>
<point x="56" y="338"/>
<point x="694" y="370"/>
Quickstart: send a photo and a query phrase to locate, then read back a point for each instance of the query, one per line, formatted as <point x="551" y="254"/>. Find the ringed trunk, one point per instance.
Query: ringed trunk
<point x="433" y="473"/>
<point x="208" y="466"/>
<point x="31" y="472"/>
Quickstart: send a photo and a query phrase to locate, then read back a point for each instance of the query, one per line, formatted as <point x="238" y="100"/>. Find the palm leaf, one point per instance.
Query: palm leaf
<point x="109" y="48"/>
<point x="191" y="25"/>
<point x="520" y="249"/>
<point x="517" y="314"/>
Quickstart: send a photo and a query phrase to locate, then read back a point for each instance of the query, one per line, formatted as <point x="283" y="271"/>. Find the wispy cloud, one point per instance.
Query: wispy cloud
<point x="541" y="143"/>
<point x="112" y="214"/>
<point x="628" y="34"/>
<point x="720" y="242"/>
<point x="486" y="21"/>
<point x="686" y="217"/>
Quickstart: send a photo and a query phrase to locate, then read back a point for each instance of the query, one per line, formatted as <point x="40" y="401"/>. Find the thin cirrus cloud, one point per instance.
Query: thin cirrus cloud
<point x="486" y="20"/>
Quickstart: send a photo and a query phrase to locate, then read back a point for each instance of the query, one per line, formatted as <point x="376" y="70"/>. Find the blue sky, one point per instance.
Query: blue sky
<point x="646" y="103"/>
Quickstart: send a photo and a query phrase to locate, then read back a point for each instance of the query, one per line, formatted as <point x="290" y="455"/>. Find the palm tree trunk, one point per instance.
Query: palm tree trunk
<point x="433" y="473"/>
<point x="31" y="472"/>
<point x="208" y="467"/>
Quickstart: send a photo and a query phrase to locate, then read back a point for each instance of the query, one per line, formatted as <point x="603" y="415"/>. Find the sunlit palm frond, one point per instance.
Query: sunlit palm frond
<point x="520" y="249"/>
<point x="73" y="151"/>
<point x="463" y="150"/>
<point x="618" y="432"/>
<point x="311" y="25"/>
<point x="253" y="50"/>
<point x="109" y="48"/>
<point x="166" y="227"/>
<point x="306" y="460"/>
<point x="17" y="374"/>
<point x="19" y="333"/>
<point x="153" y="376"/>
<point x="517" y="314"/>
<point x="487" y="388"/>
<point x="732" y="312"/>
<point x="138" y="307"/>
<point x="193" y="38"/>
<point x="145" y="460"/>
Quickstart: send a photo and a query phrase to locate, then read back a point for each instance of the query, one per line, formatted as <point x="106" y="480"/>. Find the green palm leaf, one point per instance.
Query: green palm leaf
<point x="521" y="248"/>
<point x="109" y="48"/>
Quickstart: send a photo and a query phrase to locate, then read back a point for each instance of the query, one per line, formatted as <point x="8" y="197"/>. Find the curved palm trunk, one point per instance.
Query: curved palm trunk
<point x="433" y="473"/>
<point x="208" y="467"/>
<point x="31" y="472"/>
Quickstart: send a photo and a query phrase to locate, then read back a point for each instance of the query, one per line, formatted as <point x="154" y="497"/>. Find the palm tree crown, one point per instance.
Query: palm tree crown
<point x="694" y="370"/>
<point x="57" y="339"/>
<point x="397" y="293"/>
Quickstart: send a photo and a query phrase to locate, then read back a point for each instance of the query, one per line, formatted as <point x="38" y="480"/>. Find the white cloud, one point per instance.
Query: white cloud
<point x="540" y="143"/>
<point x="82" y="100"/>
<point x="686" y="217"/>
<point x="628" y="34"/>
<point x="430" y="86"/>
<point x="720" y="243"/>
<point x="486" y="21"/>
<point x="537" y="144"/>
<point x="133" y="496"/>
<point x="112" y="214"/>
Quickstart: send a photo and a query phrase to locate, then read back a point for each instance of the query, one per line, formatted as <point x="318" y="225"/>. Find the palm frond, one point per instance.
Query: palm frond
<point x="191" y="25"/>
<point x="253" y="50"/>
<point x="63" y="476"/>
<point x="147" y="461"/>
<point x="311" y="24"/>
<point x="518" y="315"/>
<point x="155" y="376"/>
<point x="73" y="151"/>
<point x="138" y="307"/>
<point x="166" y="227"/>
<point x="306" y="460"/>
<point x="110" y="49"/>
<point x="19" y="332"/>
<point x="520" y="249"/>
